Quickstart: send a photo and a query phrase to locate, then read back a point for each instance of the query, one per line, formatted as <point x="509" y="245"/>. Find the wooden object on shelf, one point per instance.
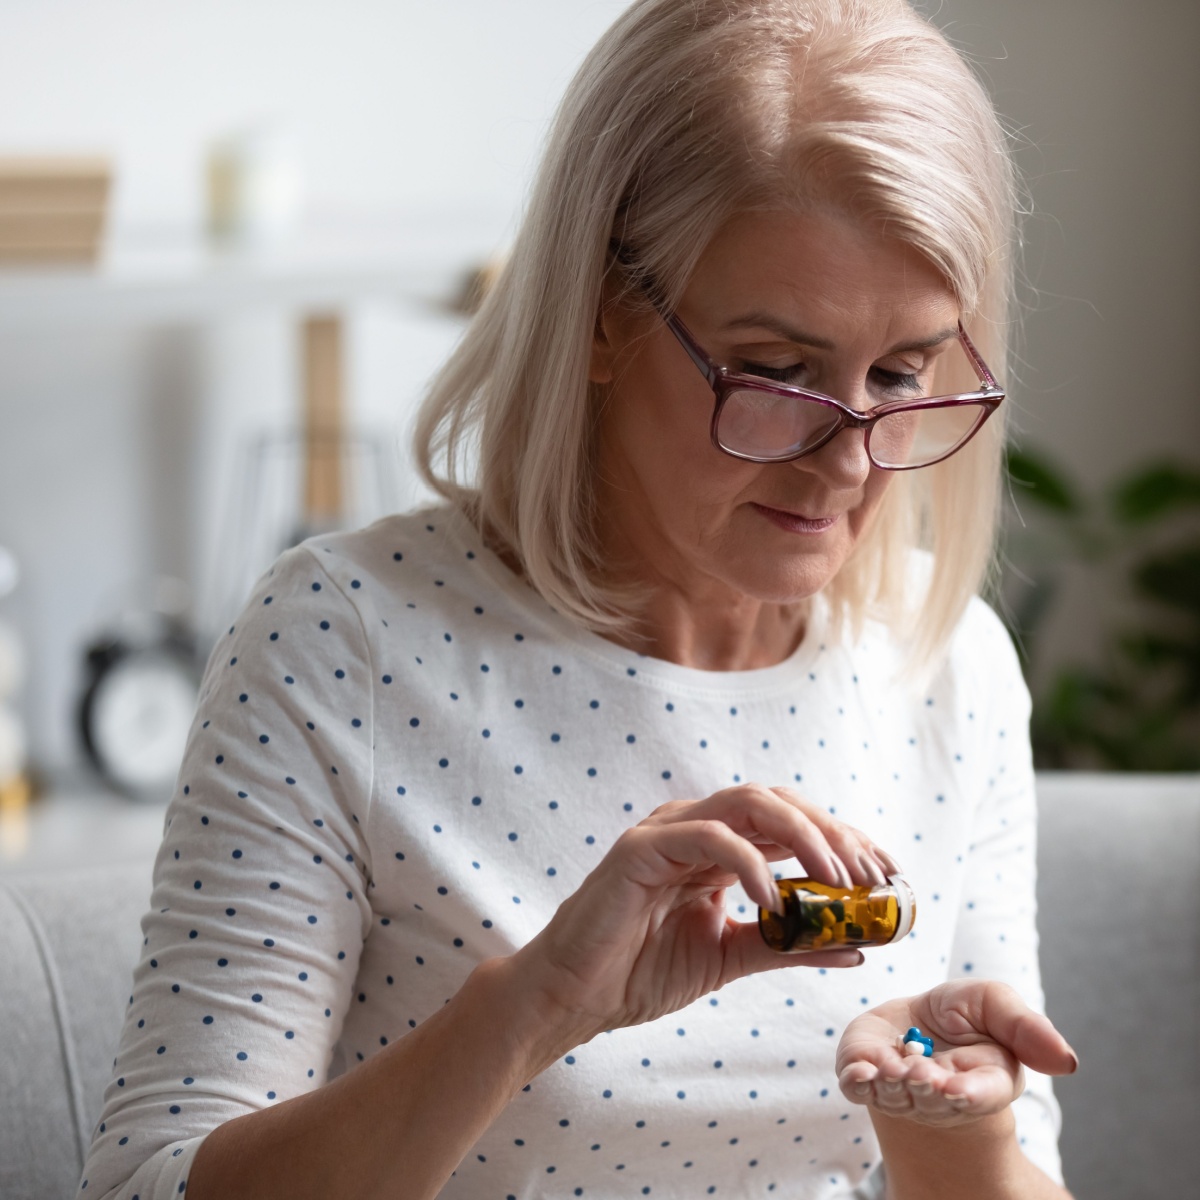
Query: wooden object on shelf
<point x="323" y="422"/>
<point x="52" y="209"/>
<point x="15" y="795"/>
<point x="476" y="285"/>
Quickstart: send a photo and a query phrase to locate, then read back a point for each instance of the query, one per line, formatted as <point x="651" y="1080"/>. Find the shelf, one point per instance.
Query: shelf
<point x="80" y="825"/>
<point x="168" y="277"/>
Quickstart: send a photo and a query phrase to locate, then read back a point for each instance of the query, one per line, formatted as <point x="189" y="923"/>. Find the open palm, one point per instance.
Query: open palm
<point x="983" y="1033"/>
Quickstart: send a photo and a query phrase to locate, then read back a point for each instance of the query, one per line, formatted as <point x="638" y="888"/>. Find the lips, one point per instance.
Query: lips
<point x="797" y="522"/>
<point x="785" y="512"/>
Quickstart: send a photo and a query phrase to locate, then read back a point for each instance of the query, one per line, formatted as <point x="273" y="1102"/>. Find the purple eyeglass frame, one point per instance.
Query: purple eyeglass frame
<point x="723" y="381"/>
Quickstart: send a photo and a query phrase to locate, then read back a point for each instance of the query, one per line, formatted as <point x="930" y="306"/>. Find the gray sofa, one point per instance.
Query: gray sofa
<point x="1119" y="895"/>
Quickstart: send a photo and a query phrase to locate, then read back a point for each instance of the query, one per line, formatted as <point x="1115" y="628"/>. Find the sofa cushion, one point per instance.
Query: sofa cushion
<point x="68" y="945"/>
<point x="1119" y="915"/>
<point x="1119" y="897"/>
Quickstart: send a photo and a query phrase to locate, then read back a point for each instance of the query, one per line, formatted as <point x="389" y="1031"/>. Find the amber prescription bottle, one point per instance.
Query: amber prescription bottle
<point x="821" y="916"/>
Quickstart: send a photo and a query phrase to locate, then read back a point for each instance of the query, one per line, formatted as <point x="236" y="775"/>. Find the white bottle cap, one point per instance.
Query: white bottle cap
<point x="907" y="905"/>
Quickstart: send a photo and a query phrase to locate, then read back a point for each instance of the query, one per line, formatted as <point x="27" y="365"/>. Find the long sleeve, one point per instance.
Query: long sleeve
<point x="259" y="907"/>
<point x="996" y="932"/>
<point x="428" y="760"/>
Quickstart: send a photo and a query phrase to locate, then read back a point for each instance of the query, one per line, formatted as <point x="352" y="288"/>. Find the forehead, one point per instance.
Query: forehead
<point x="830" y="274"/>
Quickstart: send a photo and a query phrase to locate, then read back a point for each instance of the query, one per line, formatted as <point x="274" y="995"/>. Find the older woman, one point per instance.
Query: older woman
<point x="455" y="895"/>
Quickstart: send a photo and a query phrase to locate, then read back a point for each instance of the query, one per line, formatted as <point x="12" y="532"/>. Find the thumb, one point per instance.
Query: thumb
<point x="747" y="954"/>
<point x="1030" y="1036"/>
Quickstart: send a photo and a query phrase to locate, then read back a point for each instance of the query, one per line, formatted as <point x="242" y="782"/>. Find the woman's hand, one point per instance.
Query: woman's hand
<point x="982" y="1033"/>
<point x="647" y="932"/>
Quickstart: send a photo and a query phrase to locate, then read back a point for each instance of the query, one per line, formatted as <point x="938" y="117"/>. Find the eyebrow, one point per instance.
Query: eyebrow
<point x="758" y="320"/>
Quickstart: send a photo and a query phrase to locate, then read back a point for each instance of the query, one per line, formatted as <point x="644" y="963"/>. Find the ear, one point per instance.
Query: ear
<point x="604" y="352"/>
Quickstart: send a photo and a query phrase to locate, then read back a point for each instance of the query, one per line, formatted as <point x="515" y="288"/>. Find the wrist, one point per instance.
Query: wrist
<point x="996" y="1130"/>
<point x="501" y="991"/>
<point x="978" y="1158"/>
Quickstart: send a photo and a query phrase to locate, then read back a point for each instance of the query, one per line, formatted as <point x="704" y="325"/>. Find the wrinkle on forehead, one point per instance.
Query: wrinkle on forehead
<point x="822" y="282"/>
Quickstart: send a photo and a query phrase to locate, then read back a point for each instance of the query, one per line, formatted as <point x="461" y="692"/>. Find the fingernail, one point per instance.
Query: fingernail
<point x="874" y="871"/>
<point x="1074" y="1062"/>
<point x="845" y="959"/>
<point x="861" y="1089"/>
<point x="844" y="876"/>
<point x="959" y="1101"/>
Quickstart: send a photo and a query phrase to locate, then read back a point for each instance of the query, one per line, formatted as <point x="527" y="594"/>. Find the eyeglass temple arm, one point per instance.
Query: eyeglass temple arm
<point x="707" y="367"/>
<point x="704" y="364"/>
<point x="984" y="373"/>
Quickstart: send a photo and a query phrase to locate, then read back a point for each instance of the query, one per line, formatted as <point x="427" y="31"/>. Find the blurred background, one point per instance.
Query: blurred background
<point x="234" y="242"/>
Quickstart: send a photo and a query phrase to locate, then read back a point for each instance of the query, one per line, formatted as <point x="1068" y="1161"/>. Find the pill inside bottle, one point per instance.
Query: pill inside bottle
<point x="822" y="916"/>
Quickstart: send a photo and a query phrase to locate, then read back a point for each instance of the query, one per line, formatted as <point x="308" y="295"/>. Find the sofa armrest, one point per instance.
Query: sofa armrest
<point x="1119" y="917"/>
<point x="69" y="941"/>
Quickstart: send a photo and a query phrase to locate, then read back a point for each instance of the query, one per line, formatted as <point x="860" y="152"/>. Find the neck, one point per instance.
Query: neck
<point x="701" y="623"/>
<point x="717" y="634"/>
<point x="696" y="620"/>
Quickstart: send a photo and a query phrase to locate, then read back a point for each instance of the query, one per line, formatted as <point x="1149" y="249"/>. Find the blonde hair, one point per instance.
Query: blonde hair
<point x="686" y="113"/>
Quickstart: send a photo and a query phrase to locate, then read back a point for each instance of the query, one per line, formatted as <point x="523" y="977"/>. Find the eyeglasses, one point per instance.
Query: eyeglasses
<point x="765" y="422"/>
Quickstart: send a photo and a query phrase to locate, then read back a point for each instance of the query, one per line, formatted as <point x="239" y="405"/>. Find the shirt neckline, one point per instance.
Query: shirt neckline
<point x="630" y="664"/>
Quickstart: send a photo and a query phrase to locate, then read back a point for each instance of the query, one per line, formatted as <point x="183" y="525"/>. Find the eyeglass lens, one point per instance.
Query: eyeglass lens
<point x="763" y="425"/>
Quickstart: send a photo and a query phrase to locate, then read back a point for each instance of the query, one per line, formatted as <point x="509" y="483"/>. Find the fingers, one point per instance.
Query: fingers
<point x="1030" y="1036"/>
<point x="828" y="849"/>
<point x="758" y="814"/>
<point x="931" y="1102"/>
<point x="748" y="954"/>
<point x="924" y="1090"/>
<point x="701" y="843"/>
<point x="973" y="1010"/>
<point x="867" y="863"/>
<point x="927" y="1100"/>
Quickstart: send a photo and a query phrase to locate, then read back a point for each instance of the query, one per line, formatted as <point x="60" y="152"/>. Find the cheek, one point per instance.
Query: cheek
<point x="652" y="407"/>
<point x="656" y="429"/>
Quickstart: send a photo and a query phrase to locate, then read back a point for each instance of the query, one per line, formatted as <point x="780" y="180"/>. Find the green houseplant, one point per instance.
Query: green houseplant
<point x="1137" y="707"/>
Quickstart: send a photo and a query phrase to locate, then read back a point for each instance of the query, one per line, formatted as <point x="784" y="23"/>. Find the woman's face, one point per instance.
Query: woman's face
<point x="817" y="301"/>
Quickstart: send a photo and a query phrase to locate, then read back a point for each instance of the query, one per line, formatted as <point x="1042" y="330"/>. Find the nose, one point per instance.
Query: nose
<point x="842" y="463"/>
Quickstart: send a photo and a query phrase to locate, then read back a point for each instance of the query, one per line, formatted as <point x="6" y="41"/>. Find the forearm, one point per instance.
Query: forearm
<point x="397" y="1125"/>
<point x="982" y="1160"/>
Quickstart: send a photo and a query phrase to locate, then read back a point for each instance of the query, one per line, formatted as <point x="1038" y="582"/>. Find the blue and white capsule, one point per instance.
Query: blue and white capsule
<point x="915" y="1042"/>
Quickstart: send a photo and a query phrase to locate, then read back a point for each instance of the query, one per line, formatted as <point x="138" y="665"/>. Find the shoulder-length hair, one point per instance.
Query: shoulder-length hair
<point x="686" y="113"/>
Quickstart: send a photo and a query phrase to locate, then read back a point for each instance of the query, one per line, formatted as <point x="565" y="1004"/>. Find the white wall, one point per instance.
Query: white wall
<point x="1104" y="99"/>
<point x="114" y="445"/>
<point x="399" y="104"/>
<point x="119" y="448"/>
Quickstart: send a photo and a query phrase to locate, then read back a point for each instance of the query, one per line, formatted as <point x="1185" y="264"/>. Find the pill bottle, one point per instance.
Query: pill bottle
<point x="822" y="916"/>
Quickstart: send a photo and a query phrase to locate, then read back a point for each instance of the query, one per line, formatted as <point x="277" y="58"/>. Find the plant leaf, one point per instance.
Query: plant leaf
<point x="1173" y="579"/>
<point x="1155" y="491"/>
<point x="1036" y="478"/>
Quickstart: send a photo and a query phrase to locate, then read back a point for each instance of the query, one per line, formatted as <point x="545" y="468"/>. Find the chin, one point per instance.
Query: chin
<point x="778" y="580"/>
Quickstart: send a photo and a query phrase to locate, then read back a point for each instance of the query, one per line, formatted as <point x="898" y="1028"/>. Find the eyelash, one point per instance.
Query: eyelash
<point x="893" y="380"/>
<point x="900" y="382"/>
<point x="775" y="374"/>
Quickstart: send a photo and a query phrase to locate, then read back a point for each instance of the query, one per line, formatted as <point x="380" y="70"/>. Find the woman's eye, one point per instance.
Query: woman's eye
<point x="792" y="374"/>
<point x="898" y="381"/>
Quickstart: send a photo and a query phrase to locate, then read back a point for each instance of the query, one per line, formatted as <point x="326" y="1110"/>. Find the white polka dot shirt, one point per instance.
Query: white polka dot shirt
<point x="403" y="760"/>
